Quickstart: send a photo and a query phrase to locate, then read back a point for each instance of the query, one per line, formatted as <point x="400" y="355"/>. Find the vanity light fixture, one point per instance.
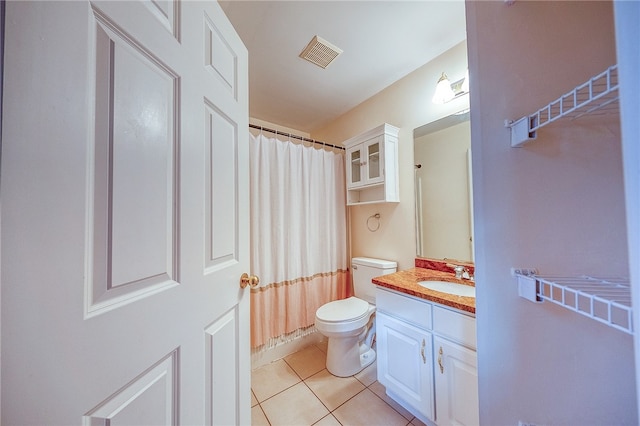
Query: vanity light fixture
<point x="444" y="92"/>
<point x="447" y="91"/>
<point x="465" y="83"/>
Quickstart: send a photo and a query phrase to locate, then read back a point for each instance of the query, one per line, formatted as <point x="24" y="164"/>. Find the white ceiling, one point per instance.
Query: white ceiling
<point x="382" y="42"/>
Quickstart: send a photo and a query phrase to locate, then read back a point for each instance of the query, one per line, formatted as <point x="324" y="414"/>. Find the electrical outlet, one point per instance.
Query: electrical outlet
<point x="523" y="271"/>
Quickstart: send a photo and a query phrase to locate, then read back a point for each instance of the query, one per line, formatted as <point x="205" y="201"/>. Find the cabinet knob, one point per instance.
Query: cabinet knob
<point x="424" y="358"/>
<point x="440" y="361"/>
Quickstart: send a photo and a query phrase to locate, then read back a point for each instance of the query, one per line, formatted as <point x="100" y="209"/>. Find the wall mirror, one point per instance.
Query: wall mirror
<point x="443" y="196"/>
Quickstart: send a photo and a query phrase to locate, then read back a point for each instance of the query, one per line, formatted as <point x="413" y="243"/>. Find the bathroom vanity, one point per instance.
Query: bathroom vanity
<point x="426" y="347"/>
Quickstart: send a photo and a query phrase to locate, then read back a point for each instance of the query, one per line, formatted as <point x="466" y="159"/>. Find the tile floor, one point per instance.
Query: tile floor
<point x="298" y="390"/>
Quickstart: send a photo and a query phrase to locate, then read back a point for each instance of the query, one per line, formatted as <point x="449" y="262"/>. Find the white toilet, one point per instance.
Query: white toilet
<point x="349" y="323"/>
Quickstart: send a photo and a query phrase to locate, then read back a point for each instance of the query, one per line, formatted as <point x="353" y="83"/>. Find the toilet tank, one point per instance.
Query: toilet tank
<point x="366" y="268"/>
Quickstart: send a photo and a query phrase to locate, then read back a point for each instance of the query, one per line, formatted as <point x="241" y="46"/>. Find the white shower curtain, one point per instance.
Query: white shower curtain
<point x="298" y="236"/>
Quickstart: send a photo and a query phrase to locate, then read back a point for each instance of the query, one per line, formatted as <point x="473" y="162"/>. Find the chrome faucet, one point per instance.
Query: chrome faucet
<point x="460" y="270"/>
<point x="462" y="273"/>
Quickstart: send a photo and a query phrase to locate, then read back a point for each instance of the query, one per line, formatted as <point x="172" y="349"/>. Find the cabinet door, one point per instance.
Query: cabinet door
<point x="354" y="166"/>
<point x="456" y="380"/>
<point x="374" y="161"/>
<point x="405" y="363"/>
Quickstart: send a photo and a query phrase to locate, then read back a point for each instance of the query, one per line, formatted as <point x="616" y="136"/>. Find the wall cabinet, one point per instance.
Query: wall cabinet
<point x="426" y="358"/>
<point x="372" y="166"/>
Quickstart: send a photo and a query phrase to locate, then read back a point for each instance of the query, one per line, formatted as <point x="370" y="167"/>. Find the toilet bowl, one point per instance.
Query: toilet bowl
<point x="346" y="322"/>
<point x="349" y="323"/>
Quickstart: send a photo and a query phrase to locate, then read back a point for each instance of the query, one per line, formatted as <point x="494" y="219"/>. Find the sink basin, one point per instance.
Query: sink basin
<point x="450" y="288"/>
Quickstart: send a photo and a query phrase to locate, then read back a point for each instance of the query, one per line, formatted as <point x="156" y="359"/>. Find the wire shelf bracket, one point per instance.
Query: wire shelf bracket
<point x="606" y="300"/>
<point x="598" y="95"/>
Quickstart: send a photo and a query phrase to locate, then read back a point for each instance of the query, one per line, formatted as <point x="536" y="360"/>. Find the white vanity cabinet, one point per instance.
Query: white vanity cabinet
<point x="456" y="383"/>
<point x="404" y="357"/>
<point x="372" y="166"/>
<point x="426" y="358"/>
<point x="455" y="367"/>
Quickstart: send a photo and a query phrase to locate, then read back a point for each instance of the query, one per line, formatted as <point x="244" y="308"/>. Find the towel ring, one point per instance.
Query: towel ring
<point x="373" y="216"/>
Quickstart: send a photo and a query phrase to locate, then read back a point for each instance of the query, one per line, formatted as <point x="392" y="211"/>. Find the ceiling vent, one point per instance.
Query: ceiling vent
<point x="320" y="52"/>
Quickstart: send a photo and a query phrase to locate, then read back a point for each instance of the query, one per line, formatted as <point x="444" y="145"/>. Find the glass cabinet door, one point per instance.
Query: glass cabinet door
<point x="371" y="163"/>
<point x="356" y="164"/>
<point x="373" y="160"/>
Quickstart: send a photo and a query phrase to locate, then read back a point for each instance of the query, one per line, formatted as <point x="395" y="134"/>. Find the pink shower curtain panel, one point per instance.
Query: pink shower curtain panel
<point x="298" y="237"/>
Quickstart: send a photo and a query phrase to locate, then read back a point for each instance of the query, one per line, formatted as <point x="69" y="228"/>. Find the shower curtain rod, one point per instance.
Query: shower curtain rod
<point x="277" y="132"/>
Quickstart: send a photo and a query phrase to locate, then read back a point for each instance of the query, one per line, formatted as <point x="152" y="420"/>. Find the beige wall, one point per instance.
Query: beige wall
<point x="277" y="127"/>
<point x="406" y="105"/>
<point x="556" y="204"/>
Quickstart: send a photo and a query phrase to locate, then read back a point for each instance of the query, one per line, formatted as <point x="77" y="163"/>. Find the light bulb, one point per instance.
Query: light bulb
<point x="443" y="93"/>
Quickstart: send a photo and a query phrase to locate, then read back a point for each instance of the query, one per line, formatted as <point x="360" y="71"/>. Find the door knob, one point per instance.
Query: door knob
<point x="247" y="280"/>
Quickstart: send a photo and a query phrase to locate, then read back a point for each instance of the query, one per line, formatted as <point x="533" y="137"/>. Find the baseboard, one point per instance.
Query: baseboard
<point x="263" y="357"/>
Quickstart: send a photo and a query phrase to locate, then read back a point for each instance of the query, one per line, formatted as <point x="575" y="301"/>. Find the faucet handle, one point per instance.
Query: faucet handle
<point x="462" y="272"/>
<point x="459" y="270"/>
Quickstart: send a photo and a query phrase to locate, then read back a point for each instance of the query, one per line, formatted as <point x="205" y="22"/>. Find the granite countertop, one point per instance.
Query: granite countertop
<point x="407" y="282"/>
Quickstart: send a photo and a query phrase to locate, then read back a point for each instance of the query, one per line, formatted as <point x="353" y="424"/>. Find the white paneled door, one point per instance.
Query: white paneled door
<point x="124" y="213"/>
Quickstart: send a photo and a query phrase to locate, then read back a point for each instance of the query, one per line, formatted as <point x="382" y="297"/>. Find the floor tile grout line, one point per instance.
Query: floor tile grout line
<point x="409" y="421"/>
<point x="300" y="379"/>
<point x="319" y="371"/>
<point x="264" y="413"/>
<point x="279" y="392"/>
<point x="392" y="407"/>
<point x="328" y="409"/>
<point x="314" y="394"/>
<point x="330" y="412"/>
<point x="294" y="370"/>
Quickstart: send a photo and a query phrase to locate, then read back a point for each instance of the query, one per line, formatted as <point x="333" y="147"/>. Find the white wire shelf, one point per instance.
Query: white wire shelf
<point x="606" y="300"/>
<point x="598" y="95"/>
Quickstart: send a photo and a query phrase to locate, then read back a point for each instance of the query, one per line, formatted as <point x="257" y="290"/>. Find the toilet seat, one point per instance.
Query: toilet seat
<point x="345" y="310"/>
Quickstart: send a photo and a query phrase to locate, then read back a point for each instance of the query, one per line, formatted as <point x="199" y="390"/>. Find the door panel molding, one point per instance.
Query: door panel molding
<point x="168" y="14"/>
<point x="156" y="386"/>
<point x="133" y="249"/>
<point x="222" y="367"/>
<point x="219" y="57"/>
<point x="221" y="173"/>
